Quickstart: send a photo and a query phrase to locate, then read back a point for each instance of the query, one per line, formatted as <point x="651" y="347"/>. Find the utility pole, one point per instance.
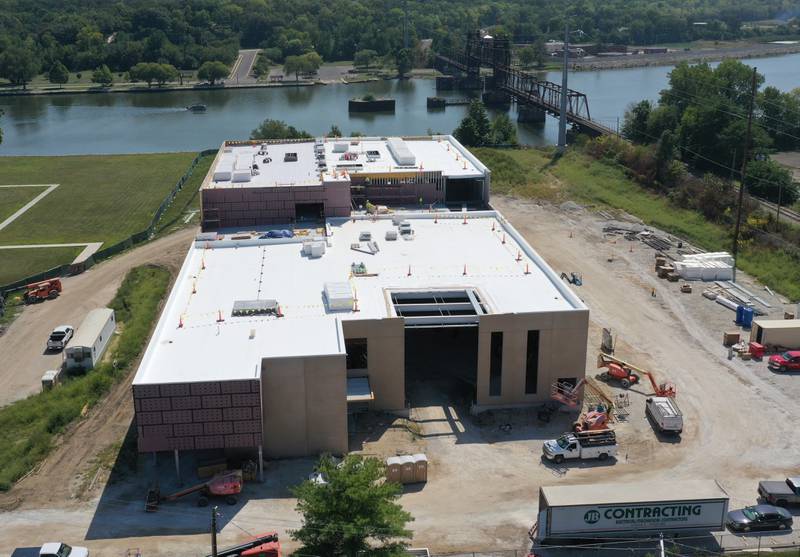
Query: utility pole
<point x="742" y="184"/>
<point x="214" y="531"/>
<point x="562" y="118"/>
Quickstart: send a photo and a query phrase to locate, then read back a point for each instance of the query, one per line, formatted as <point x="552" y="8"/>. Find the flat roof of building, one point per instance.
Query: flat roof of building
<point x="483" y="266"/>
<point x="631" y="492"/>
<point x="777" y="323"/>
<point x="312" y="161"/>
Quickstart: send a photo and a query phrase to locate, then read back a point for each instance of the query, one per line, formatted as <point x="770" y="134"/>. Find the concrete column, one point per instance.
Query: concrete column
<point x="260" y="464"/>
<point x="496" y="98"/>
<point x="178" y="467"/>
<point x="530" y="114"/>
<point x="445" y="83"/>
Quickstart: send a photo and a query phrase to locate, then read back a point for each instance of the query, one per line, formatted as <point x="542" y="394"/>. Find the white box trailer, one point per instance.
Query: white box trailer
<point x="91" y="340"/>
<point x="776" y="333"/>
<point x="577" y="512"/>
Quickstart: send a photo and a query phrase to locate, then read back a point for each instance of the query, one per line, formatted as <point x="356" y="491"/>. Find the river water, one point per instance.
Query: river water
<point x="151" y="122"/>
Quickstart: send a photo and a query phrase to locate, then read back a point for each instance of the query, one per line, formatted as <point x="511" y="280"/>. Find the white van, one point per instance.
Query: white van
<point x="665" y="414"/>
<point x="91" y="340"/>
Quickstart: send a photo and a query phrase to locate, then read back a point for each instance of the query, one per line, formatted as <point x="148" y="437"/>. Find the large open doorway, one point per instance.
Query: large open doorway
<point x="309" y="212"/>
<point x="464" y="191"/>
<point x="441" y="365"/>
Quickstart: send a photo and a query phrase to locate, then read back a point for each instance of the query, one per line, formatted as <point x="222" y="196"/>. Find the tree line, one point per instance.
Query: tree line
<point x="84" y="35"/>
<point x="700" y="119"/>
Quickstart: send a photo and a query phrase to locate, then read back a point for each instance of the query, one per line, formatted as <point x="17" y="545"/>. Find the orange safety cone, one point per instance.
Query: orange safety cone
<point x="435" y="219"/>
<point x="180" y="322"/>
<point x="409" y="271"/>
<point x="527" y="270"/>
<point x="465" y="270"/>
<point x="465" y="220"/>
<point x="519" y="255"/>
<point x="194" y="287"/>
<point x="203" y="263"/>
<point x="220" y="319"/>
<point x="504" y="239"/>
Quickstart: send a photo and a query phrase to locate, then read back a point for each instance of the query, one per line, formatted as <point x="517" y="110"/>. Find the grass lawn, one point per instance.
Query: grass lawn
<point x="188" y="199"/>
<point x="28" y="428"/>
<point x="19" y="263"/>
<point x="529" y="173"/>
<point x="11" y="199"/>
<point x="101" y="198"/>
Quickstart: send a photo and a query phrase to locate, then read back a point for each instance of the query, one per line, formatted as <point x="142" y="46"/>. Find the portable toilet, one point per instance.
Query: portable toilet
<point x="739" y="315"/>
<point x="420" y="467"/>
<point x="747" y="317"/>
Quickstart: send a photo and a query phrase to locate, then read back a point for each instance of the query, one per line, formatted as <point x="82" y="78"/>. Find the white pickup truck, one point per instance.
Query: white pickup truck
<point x="599" y="444"/>
<point x="59" y="549"/>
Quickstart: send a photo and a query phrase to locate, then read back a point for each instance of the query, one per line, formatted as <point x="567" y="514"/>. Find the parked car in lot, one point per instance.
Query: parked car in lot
<point x="780" y="493"/>
<point x="759" y="517"/>
<point x="788" y="361"/>
<point x="60" y="337"/>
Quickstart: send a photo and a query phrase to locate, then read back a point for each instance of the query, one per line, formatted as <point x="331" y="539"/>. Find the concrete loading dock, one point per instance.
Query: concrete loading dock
<point x="278" y="379"/>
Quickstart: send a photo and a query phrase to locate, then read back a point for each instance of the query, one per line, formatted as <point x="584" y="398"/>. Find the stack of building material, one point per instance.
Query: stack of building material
<point x="339" y="296"/>
<point x="705" y="266"/>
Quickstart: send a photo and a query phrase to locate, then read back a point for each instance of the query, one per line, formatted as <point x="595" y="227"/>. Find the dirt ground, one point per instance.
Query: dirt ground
<point x="483" y="476"/>
<point x="24" y="357"/>
<point x="790" y="160"/>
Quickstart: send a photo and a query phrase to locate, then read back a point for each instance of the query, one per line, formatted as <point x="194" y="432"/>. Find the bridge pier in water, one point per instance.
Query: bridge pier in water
<point x="528" y="114"/>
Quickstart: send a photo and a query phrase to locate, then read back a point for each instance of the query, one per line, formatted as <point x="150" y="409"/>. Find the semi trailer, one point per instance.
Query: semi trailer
<point x="584" y="512"/>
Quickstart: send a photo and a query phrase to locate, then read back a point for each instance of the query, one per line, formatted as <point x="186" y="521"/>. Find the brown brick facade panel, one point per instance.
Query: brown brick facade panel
<point x="230" y="387"/>
<point x="182" y="443"/>
<point x="252" y="399"/>
<point x="187" y="403"/>
<point x="145" y="391"/>
<point x="250" y="426"/>
<point x="240" y="440"/>
<point x="178" y="417"/>
<point x="187" y="430"/>
<point x="217" y="401"/>
<point x="148" y="418"/>
<point x="178" y="389"/>
<point x="157" y="431"/>
<point x="208" y="415"/>
<point x="215" y="442"/>
<point x="205" y="388"/>
<point x="237" y="413"/>
<point x="155" y="404"/>
<point x="217" y="428"/>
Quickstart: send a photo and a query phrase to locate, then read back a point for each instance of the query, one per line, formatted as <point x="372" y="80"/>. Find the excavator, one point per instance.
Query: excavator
<point x="627" y="374"/>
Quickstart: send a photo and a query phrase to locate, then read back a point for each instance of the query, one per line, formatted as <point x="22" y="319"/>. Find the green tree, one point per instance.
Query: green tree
<point x="475" y="129"/>
<point x="262" y="66"/>
<point x="103" y="76"/>
<point x="364" y="58"/>
<point x="533" y="54"/>
<point x="165" y="73"/>
<point x="212" y="71"/>
<point x="404" y="61"/>
<point x="277" y="129"/>
<point x="768" y="179"/>
<point x="294" y="65"/>
<point x="634" y="124"/>
<point x="354" y="513"/>
<point x="335" y="131"/>
<point x="19" y="65"/>
<point x="503" y="130"/>
<point x="58" y="74"/>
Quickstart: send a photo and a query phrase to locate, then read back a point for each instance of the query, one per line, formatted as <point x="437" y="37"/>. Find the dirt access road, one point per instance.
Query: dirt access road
<point x="483" y="480"/>
<point x="23" y="359"/>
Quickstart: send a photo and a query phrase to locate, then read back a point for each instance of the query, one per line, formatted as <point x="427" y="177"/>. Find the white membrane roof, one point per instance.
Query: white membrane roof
<point x="191" y="343"/>
<point x="363" y="156"/>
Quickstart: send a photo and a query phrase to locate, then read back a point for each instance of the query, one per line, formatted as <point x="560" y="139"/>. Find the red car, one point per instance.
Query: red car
<point x="788" y="361"/>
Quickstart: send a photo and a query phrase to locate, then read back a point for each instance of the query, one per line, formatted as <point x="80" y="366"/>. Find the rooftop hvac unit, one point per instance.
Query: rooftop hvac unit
<point x="339" y="296"/>
<point x="400" y="151"/>
<point x="314" y="248"/>
<point x="242" y="175"/>
<point x="254" y="307"/>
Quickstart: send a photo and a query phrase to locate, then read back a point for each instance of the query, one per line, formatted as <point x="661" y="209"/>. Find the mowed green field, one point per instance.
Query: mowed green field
<point x="101" y="198"/>
<point x="12" y="199"/>
<point x="19" y="263"/>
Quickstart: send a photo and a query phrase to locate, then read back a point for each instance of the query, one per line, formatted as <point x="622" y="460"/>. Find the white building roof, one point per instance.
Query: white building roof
<point x="485" y="255"/>
<point x="371" y="155"/>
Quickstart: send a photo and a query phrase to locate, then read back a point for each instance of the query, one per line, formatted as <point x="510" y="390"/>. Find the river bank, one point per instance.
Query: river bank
<point x="671" y="58"/>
